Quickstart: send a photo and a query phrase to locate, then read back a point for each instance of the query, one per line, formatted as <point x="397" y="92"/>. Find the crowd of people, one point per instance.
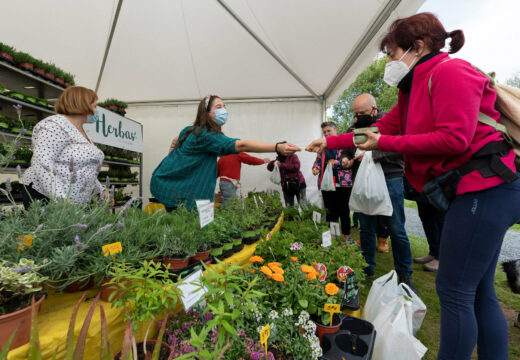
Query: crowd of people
<point x="431" y="147"/>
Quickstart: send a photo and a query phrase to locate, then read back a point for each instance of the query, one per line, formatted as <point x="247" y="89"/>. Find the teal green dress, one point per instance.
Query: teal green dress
<point x="189" y="173"/>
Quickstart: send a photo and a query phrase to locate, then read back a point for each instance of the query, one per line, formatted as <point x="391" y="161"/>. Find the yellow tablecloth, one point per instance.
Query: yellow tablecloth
<point x="56" y="310"/>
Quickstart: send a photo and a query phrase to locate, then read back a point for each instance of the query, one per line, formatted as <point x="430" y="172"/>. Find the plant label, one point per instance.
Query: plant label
<point x="264" y="335"/>
<point x="316" y="217"/>
<point x="256" y="203"/>
<point x="343" y="272"/>
<point x="334" y="229"/>
<point x="322" y="270"/>
<point x="268" y="236"/>
<point x="192" y="289"/>
<point x="261" y="200"/>
<point x="112" y="249"/>
<point x="23" y="242"/>
<point x="300" y="210"/>
<point x="326" y="239"/>
<point x="332" y="309"/>
<point x="206" y="213"/>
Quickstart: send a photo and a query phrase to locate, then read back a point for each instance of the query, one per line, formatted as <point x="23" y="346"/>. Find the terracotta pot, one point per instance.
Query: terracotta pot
<point x="68" y="84"/>
<point x="324" y="329"/>
<point x="6" y="56"/>
<point x="26" y="65"/>
<point x="80" y="285"/>
<point x="176" y="264"/>
<point x="9" y="322"/>
<point x="61" y="81"/>
<point x="150" y="345"/>
<point x="39" y="71"/>
<point x="201" y="255"/>
<point x="112" y="107"/>
<point x="108" y="289"/>
<point x="50" y="76"/>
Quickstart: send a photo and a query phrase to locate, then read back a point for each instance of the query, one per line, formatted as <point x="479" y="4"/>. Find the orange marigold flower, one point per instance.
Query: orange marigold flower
<point x="277" y="270"/>
<point x="316" y="285"/>
<point x="294" y="258"/>
<point x="307" y="268"/>
<point x="314" y="263"/>
<point x="331" y="289"/>
<point x="266" y="271"/>
<point x="285" y="282"/>
<point x="252" y="271"/>
<point x="274" y="264"/>
<point x="256" y="258"/>
<point x="311" y="276"/>
<point x="277" y="277"/>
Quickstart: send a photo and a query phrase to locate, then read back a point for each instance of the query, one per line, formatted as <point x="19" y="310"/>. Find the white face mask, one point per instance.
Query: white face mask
<point x="396" y="70"/>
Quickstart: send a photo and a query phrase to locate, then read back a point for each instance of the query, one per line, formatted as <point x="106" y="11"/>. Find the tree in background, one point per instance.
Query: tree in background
<point x="369" y="81"/>
<point x="514" y="80"/>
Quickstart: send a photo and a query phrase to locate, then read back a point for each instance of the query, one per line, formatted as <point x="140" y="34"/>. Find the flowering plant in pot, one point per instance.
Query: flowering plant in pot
<point x="19" y="283"/>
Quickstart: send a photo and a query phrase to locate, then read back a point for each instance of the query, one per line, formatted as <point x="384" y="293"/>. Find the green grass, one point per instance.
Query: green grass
<point x="413" y="205"/>
<point x="425" y="284"/>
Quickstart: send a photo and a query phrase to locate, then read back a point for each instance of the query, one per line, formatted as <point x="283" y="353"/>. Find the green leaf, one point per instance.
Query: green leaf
<point x="228" y="298"/>
<point x="229" y="328"/>
<point x="303" y="303"/>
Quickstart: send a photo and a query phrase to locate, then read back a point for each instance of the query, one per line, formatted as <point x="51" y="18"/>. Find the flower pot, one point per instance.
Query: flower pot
<point x="61" y="81"/>
<point x="50" y="76"/>
<point x="39" y="71"/>
<point x="112" y="107"/>
<point x="108" y="289"/>
<point x="80" y="285"/>
<point x="166" y="352"/>
<point x="176" y="263"/>
<point x="216" y="251"/>
<point x="237" y="248"/>
<point x="26" y="66"/>
<point x="9" y="322"/>
<point x="325" y="329"/>
<point x="6" y="56"/>
<point x="201" y="255"/>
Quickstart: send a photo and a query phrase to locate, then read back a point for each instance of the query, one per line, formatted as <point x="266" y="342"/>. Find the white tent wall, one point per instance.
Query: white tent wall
<point x="294" y="121"/>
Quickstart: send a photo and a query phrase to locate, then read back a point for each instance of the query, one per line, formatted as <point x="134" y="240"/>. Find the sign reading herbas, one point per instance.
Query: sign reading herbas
<point x="192" y="289"/>
<point x="115" y="130"/>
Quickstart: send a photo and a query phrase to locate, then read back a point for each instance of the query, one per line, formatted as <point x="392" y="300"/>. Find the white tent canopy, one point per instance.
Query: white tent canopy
<point x="276" y="63"/>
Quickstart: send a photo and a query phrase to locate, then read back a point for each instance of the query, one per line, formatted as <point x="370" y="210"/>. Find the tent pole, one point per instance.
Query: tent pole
<point x="372" y="30"/>
<point x="268" y="49"/>
<point x="227" y="100"/>
<point x="109" y="43"/>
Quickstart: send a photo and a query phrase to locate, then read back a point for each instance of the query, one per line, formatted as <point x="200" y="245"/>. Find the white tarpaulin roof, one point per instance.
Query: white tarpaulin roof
<point x="170" y="50"/>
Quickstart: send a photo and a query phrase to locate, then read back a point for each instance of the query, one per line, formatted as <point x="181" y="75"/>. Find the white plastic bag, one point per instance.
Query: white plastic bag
<point x="395" y="339"/>
<point x="369" y="194"/>
<point x="327" y="181"/>
<point x="275" y="176"/>
<point x="384" y="290"/>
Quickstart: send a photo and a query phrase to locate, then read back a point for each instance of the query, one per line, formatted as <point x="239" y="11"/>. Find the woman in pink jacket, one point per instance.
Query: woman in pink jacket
<point x="435" y="125"/>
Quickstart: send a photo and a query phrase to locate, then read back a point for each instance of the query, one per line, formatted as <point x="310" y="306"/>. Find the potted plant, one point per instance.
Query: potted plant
<point x="24" y="60"/>
<point x="4" y="126"/>
<point x="177" y="252"/>
<point x="7" y="52"/>
<point x="50" y="70"/>
<point x="39" y="67"/>
<point x="19" y="283"/>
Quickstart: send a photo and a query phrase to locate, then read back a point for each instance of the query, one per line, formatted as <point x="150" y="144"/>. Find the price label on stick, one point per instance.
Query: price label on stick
<point x="112" y="249"/>
<point x="332" y="309"/>
<point x="206" y="211"/>
<point x="264" y="335"/>
<point x="256" y="203"/>
<point x="316" y="217"/>
<point x="192" y="290"/>
<point x="326" y="239"/>
<point x="261" y="200"/>
<point x="334" y="229"/>
<point x="300" y="210"/>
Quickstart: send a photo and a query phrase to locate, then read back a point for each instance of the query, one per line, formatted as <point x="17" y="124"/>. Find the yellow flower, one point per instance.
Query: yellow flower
<point x="256" y="258"/>
<point x="331" y="289"/>
<point x="277" y="277"/>
<point x="277" y="270"/>
<point x="266" y="271"/>
<point x="25" y="240"/>
<point x="307" y="269"/>
<point x="311" y="276"/>
<point x="294" y="258"/>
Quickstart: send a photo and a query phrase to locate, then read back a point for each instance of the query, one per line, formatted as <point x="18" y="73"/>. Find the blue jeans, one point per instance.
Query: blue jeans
<point x="471" y="240"/>
<point x="229" y="191"/>
<point x="395" y="226"/>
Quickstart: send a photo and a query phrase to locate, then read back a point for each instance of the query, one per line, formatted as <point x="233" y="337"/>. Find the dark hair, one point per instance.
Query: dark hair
<point x="202" y="121"/>
<point x="329" y="123"/>
<point x="423" y="26"/>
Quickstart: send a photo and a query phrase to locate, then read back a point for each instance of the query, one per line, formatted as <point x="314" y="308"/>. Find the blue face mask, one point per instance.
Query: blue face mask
<point x="221" y="116"/>
<point x="93" y="118"/>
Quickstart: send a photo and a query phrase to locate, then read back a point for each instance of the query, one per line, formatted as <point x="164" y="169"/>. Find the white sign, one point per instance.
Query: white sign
<point x="206" y="212"/>
<point x="334" y="229"/>
<point x="192" y="290"/>
<point x="254" y="198"/>
<point x="316" y="217"/>
<point x="115" y="130"/>
<point x="326" y="239"/>
<point x="261" y="200"/>
<point x="300" y="210"/>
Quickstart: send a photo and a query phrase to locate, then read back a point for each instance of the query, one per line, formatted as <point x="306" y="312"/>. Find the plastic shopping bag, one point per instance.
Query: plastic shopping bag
<point x="275" y="176"/>
<point x="327" y="182"/>
<point x="395" y="339"/>
<point x="369" y="194"/>
<point x="384" y="290"/>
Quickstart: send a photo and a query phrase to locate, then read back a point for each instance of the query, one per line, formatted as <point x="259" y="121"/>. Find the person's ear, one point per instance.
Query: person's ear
<point x="418" y="47"/>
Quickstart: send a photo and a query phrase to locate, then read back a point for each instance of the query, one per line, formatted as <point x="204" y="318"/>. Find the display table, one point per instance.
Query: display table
<point x="56" y="310"/>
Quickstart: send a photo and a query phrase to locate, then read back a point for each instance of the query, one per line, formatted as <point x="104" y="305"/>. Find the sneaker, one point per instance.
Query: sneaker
<point x="369" y="273"/>
<point x="432" y="266"/>
<point x="424" y="259"/>
<point x="407" y="279"/>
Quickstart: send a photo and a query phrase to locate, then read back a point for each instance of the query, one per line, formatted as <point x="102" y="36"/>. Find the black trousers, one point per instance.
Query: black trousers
<point x="336" y="205"/>
<point x="432" y="221"/>
<point x="29" y="195"/>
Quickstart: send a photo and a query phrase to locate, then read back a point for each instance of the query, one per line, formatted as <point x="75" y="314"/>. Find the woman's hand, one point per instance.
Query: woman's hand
<point x="317" y="145"/>
<point x="346" y="163"/>
<point x="174" y="142"/>
<point x="371" y="143"/>
<point x="287" y="149"/>
<point x="107" y="196"/>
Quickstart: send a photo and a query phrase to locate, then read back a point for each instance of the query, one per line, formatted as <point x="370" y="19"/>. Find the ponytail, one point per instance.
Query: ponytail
<point x="457" y="40"/>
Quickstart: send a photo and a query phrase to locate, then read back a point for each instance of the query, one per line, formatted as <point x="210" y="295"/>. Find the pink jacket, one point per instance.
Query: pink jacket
<point x="439" y="132"/>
